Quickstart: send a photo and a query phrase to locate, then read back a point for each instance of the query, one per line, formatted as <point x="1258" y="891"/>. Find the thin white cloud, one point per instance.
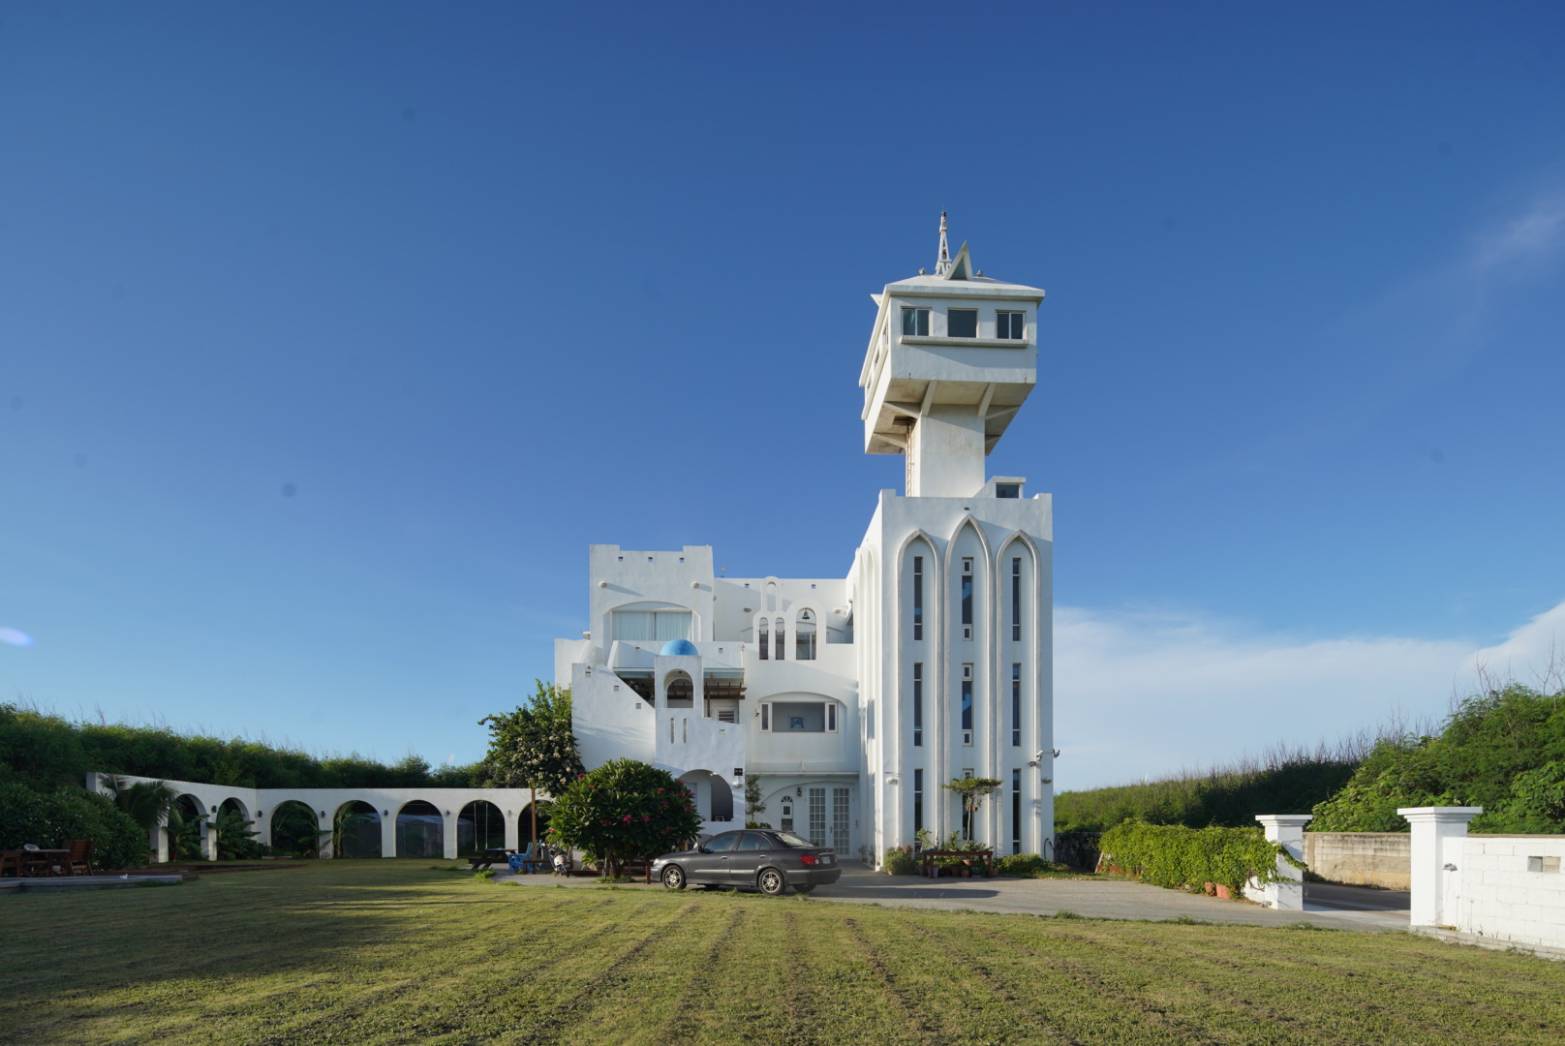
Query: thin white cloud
<point x="1535" y="232"/>
<point x="1140" y="695"/>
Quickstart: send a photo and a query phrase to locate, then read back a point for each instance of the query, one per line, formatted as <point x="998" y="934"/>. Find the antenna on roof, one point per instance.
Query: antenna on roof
<point x="943" y="263"/>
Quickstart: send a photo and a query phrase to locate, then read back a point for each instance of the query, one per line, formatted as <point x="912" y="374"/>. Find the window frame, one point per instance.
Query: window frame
<point x="1016" y="599"/>
<point x="918" y="704"/>
<point x="918" y="598"/>
<point x="919" y="314"/>
<point x="1020" y="317"/>
<point x="1016" y="704"/>
<point x="951" y="313"/>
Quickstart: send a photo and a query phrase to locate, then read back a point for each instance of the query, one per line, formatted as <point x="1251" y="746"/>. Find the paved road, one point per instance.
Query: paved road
<point x="1096" y="898"/>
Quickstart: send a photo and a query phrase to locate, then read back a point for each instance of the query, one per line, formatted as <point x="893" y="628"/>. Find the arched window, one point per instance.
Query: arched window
<point x="779" y="640"/>
<point x="680" y="690"/>
<point x="804" y="638"/>
<point x="761" y="633"/>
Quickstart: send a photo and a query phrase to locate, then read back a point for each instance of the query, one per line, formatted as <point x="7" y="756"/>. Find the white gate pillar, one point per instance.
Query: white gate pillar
<point x="1438" y="832"/>
<point x="1287" y="892"/>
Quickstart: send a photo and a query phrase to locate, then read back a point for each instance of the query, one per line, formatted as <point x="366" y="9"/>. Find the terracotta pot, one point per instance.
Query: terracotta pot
<point x="1223" y="893"/>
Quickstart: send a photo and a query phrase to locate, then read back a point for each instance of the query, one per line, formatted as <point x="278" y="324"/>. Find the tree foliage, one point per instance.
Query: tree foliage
<point x="1187" y="858"/>
<point x="1503" y="750"/>
<point x="52" y="819"/>
<point x="973" y="790"/>
<point x="624" y="810"/>
<point x="534" y="746"/>
<point x="48" y="751"/>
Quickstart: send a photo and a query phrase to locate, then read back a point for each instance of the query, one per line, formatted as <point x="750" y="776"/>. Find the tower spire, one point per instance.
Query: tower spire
<point x="943" y="262"/>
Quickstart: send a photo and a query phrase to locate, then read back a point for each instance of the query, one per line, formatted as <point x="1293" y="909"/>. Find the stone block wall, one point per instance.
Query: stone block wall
<point x="1380" y="859"/>
<point x="1512" y="888"/>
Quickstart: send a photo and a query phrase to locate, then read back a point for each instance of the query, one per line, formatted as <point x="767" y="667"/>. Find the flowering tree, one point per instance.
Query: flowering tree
<point x="624" y="810"/>
<point x="534" y="746"/>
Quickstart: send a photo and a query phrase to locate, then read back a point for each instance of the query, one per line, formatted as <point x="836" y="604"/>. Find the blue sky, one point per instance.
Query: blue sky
<point x="329" y="338"/>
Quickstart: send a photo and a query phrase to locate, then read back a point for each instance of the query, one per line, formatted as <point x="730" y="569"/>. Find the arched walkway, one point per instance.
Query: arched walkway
<point x="524" y="834"/>
<point x="356" y="830"/>
<point x="714" y="798"/>
<point x="187" y="829"/>
<point x="296" y="829"/>
<point x="420" y="830"/>
<point x="479" y="826"/>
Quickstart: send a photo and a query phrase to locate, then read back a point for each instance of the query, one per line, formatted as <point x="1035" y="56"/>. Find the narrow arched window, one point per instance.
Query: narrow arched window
<point x="779" y="640"/>
<point x="804" y="637"/>
<point x="760" y="638"/>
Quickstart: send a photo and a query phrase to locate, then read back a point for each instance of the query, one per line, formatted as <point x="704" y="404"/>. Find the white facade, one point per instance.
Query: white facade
<point x="856" y="699"/>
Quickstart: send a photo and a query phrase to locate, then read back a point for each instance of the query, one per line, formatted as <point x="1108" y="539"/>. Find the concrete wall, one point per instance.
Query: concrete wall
<point x="1512" y="888"/>
<point x="1360" y="858"/>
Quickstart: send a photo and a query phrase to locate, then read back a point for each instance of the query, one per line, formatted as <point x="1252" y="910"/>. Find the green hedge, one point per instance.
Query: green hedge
<point x="52" y="819"/>
<point x="47" y="752"/>
<point x="1185" y="858"/>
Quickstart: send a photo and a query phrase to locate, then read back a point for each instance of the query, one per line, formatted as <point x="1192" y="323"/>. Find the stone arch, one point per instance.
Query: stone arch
<point x="525" y="821"/>
<point x="235" y="804"/>
<point x="808" y="632"/>
<point x="295" y="828"/>
<point x="355" y="830"/>
<point x="714" y="797"/>
<point x="187" y="828"/>
<point x="420" y="830"/>
<point x="480" y="826"/>
<point x="679" y="689"/>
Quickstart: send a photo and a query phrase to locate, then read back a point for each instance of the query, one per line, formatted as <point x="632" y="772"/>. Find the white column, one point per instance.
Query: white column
<point x="388" y="832"/>
<point x="513" y="830"/>
<point x="160" y="838"/>
<point x="448" y="829"/>
<point x="1438" y="832"/>
<point x="209" y="836"/>
<point x="1287" y="892"/>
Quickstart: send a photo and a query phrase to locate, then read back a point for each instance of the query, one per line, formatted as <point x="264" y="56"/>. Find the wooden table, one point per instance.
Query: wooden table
<point x="968" y="858"/>
<point x="35" y="862"/>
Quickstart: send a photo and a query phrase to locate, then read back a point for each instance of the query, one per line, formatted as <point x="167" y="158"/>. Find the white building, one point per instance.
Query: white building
<point x="856" y="699"/>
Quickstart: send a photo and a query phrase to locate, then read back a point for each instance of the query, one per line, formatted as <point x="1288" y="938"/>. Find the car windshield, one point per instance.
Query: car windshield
<point x="794" y="841"/>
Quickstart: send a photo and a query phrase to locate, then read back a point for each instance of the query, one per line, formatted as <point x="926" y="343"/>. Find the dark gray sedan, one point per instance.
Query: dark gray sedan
<point x="754" y="859"/>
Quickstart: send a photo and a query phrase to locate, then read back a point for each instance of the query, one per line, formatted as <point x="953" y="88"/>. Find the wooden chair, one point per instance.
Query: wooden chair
<point x="80" y="857"/>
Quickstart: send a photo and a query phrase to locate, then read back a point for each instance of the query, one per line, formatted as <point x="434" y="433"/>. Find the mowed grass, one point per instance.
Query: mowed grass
<point x="403" y="951"/>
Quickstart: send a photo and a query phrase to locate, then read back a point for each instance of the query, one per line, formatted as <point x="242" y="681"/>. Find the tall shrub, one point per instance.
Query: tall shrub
<point x="624" y="810"/>
<point x="53" y="819"/>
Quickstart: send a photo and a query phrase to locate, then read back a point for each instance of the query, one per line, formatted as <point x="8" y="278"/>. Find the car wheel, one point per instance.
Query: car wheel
<point x="804" y="889"/>
<point x="771" y="882"/>
<point x="674" y="877"/>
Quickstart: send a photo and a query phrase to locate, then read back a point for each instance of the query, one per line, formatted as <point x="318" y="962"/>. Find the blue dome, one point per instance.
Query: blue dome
<point x="679" y="648"/>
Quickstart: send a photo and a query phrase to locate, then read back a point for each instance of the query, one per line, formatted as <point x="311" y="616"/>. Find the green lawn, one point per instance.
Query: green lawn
<point x="399" y="950"/>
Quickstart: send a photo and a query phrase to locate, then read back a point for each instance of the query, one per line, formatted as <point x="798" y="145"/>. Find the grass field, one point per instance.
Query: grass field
<point x="401" y="950"/>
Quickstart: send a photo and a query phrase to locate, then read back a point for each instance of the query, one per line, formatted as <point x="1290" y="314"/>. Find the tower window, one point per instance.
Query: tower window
<point x="918" y="597"/>
<point x="1016" y="704"/>
<point x="962" y="323"/>
<point x="967" y="704"/>
<point x="918" y="704"/>
<point x="967" y="597"/>
<point x="1016" y="599"/>
<point x="1016" y="811"/>
<point x="779" y="640"/>
<point x="1011" y="326"/>
<point x="915" y="322"/>
<point x="918" y="801"/>
<point x="1007" y="490"/>
<point x="761" y="635"/>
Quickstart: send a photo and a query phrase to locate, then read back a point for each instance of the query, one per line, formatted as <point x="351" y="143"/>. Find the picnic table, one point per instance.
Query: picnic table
<point x="35" y="862"/>
<point x="967" y="858"/>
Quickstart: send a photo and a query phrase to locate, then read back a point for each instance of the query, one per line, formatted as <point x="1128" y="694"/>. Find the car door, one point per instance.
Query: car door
<point x="754" y="849"/>
<point x="711" y="865"/>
